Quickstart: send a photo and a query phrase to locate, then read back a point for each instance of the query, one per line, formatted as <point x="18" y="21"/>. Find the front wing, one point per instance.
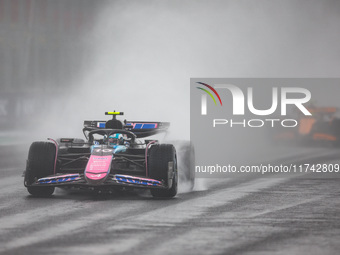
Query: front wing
<point x="111" y="180"/>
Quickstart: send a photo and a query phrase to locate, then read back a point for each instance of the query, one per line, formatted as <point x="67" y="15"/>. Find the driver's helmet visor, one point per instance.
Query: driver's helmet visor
<point x="116" y="139"/>
<point x="113" y="141"/>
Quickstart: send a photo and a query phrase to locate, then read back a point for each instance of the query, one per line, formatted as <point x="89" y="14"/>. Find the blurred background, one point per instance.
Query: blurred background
<point x="65" y="61"/>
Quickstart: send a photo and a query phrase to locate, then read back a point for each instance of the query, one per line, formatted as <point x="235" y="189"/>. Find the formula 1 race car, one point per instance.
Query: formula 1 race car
<point x="321" y="128"/>
<point x="112" y="157"/>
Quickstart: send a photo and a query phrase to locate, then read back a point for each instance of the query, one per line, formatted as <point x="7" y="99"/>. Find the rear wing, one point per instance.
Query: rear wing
<point x="146" y="128"/>
<point x="139" y="128"/>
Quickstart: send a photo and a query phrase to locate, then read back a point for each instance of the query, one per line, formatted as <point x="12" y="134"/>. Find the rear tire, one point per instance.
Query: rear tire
<point x="159" y="158"/>
<point x="41" y="159"/>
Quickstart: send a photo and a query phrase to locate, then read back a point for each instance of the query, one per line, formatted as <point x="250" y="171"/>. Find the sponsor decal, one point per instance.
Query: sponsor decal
<point x="136" y="180"/>
<point x="98" y="167"/>
<point x="59" y="179"/>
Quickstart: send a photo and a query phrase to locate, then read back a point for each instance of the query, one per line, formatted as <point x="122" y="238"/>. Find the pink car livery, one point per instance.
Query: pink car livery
<point x="111" y="157"/>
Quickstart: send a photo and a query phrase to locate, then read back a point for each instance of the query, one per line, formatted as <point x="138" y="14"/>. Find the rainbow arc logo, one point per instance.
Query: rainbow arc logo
<point x="209" y="93"/>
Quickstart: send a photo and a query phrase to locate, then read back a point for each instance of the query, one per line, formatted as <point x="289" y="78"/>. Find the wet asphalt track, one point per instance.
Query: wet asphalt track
<point x="232" y="216"/>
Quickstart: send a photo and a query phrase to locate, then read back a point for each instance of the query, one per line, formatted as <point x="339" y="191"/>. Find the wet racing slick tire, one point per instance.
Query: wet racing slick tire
<point x="41" y="159"/>
<point x="158" y="167"/>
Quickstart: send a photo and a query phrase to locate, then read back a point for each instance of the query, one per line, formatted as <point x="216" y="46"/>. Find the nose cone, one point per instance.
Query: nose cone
<point x="98" y="169"/>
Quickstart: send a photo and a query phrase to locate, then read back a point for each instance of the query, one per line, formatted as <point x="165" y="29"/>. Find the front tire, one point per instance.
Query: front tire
<point x="41" y="159"/>
<point x="158" y="166"/>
